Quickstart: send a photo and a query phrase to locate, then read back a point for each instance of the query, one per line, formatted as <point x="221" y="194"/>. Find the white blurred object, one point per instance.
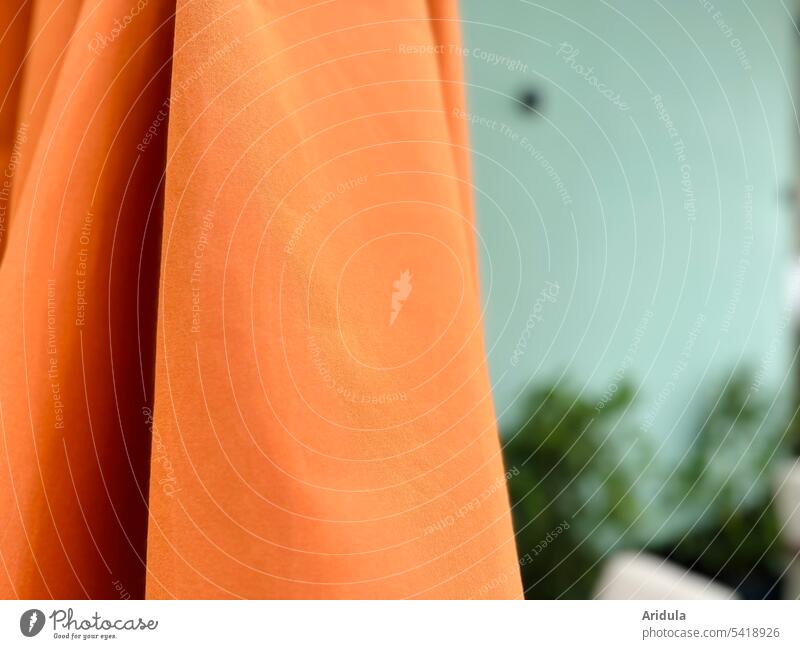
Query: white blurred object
<point x="793" y="290"/>
<point x="639" y="575"/>
<point x="791" y="585"/>
<point x="787" y="501"/>
<point x="787" y="506"/>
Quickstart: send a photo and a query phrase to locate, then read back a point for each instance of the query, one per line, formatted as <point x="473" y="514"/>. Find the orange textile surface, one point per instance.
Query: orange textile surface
<point x="243" y="353"/>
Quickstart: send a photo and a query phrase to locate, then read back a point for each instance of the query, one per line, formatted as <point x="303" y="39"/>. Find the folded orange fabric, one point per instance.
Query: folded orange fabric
<point x="243" y="349"/>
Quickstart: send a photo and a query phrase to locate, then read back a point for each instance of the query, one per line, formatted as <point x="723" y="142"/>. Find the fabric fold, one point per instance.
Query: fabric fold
<point x="243" y="272"/>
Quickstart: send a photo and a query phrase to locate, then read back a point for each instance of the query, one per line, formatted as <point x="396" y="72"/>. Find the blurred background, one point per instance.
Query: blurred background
<point x="635" y="166"/>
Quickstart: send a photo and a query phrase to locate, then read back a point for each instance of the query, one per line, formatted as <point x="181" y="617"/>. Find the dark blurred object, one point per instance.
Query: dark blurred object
<point x="530" y="100"/>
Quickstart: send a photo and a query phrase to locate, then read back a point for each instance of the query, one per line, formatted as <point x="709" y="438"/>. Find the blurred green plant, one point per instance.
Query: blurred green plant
<point x="569" y="471"/>
<point x="734" y="538"/>
<point x="578" y="495"/>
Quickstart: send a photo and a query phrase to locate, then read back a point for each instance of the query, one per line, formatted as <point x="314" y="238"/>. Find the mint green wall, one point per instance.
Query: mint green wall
<point x="598" y="195"/>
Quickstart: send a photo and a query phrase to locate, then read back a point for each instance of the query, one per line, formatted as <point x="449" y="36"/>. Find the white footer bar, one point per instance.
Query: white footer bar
<point x="376" y="625"/>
